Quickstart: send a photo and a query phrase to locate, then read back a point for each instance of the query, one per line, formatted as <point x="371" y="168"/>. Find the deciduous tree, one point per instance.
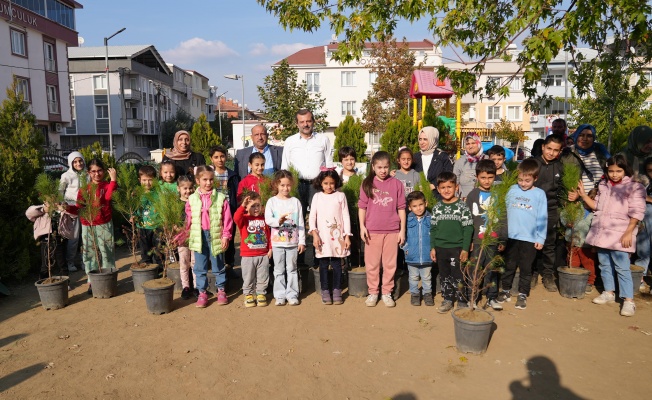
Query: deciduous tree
<point x="511" y="133"/>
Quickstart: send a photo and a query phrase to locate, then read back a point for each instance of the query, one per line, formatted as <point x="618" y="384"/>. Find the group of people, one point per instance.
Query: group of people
<point x="219" y="200"/>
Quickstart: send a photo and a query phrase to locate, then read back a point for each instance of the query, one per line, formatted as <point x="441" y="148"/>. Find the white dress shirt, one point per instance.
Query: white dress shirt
<point x="307" y="155"/>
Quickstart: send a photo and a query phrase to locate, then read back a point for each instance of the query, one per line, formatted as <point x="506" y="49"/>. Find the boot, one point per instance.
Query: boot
<point x="337" y="296"/>
<point x="326" y="297"/>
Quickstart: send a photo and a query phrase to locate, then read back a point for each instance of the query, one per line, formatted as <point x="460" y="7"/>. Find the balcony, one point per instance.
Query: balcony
<point x="133" y="95"/>
<point x="134" y="124"/>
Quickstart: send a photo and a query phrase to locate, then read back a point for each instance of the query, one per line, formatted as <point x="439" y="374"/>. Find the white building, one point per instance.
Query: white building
<point x="200" y="89"/>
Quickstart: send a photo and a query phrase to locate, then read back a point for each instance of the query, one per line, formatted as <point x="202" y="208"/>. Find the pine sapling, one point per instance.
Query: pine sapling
<point x="168" y="220"/>
<point x="90" y="208"/>
<point x="572" y="212"/>
<point x="127" y="201"/>
<point x="48" y="192"/>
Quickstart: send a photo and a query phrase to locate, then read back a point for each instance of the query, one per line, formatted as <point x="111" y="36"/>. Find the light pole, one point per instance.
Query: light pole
<point x="219" y="112"/>
<point x="108" y="88"/>
<point x="241" y="78"/>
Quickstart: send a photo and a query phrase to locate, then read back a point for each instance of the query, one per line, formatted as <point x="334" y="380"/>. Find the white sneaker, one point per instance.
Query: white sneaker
<point x="495" y="305"/>
<point x="280" y="302"/>
<point x="293" y="302"/>
<point x="604" y="298"/>
<point x="628" y="310"/>
<point x="371" y="301"/>
<point x="389" y="302"/>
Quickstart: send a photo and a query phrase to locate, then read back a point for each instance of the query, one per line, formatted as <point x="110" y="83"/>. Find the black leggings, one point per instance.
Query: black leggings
<point x="336" y="264"/>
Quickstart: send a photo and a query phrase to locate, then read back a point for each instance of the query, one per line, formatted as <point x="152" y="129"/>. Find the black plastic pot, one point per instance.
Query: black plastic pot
<point x="637" y="276"/>
<point x="53" y="295"/>
<point x="174" y="272"/>
<point x="472" y="336"/>
<point x="358" y="282"/>
<point x="142" y="275"/>
<point x="104" y="284"/>
<point x="572" y="282"/>
<point x="159" y="294"/>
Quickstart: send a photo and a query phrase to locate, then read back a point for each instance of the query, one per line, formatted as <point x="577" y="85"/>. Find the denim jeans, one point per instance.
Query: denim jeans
<point x="201" y="265"/>
<point x="614" y="262"/>
<point x="644" y="240"/>
<point x="423" y="271"/>
<point x="285" y="263"/>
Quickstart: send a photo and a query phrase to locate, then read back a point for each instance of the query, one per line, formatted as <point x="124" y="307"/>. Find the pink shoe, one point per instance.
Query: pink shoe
<point x="202" y="300"/>
<point x="221" y="298"/>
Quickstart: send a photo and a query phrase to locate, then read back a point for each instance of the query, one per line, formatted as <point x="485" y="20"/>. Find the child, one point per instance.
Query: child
<point x="417" y="249"/>
<point x="619" y="206"/>
<point x="285" y="216"/>
<point x="168" y="175"/>
<point x="255" y="249"/>
<point x="69" y="186"/>
<point x="145" y="217"/>
<point x="381" y="212"/>
<point x="251" y="181"/>
<point x="583" y="254"/>
<point x="644" y="237"/>
<point x="477" y="201"/>
<point x="53" y="245"/>
<point x="497" y="155"/>
<point x="406" y="173"/>
<point x="208" y="222"/>
<point x="331" y="230"/>
<point x="227" y="182"/>
<point x="450" y="239"/>
<point x="348" y="159"/>
<point x="186" y="256"/>
<point x="527" y="222"/>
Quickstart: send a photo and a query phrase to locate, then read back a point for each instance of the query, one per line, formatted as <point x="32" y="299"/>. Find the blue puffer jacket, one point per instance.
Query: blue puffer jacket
<point x="417" y="244"/>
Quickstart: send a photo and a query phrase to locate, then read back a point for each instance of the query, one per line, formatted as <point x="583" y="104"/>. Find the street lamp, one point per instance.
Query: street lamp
<point x="219" y="112"/>
<point x="241" y="78"/>
<point x="108" y="88"/>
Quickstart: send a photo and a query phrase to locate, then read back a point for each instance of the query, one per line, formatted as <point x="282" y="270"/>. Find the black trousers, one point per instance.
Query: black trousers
<point x="306" y="191"/>
<point x="148" y="242"/>
<point x="53" y="252"/>
<point x="450" y="270"/>
<point x="520" y="255"/>
<point x="547" y="256"/>
<point x="336" y="264"/>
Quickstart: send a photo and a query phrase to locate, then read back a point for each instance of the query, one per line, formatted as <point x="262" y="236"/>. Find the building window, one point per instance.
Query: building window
<point x="372" y="78"/>
<point x="552" y="80"/>
<point x="53" y="102"/>
<point x="514" y="113"/>
<point x="61" y="13"/>
<point x="37" y="6"/>
<point x="18" y="46"/>
<point x="348" y="78"/>
<point x="493" y="113"/>
<point x="348" y="108"/>
<point x="515" y="84"/>
<point x="647" y="105"/>
<point x="50" y="59"/>
<point x="312" y="82"/>
<point x="648" y="77"/>
<point x="102" y="112"/>
<point x="22" y="87"/>
<point x="99" y="82"/>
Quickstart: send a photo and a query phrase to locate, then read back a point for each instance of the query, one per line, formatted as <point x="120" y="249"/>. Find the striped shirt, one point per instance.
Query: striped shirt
<point x="593" y="165"/>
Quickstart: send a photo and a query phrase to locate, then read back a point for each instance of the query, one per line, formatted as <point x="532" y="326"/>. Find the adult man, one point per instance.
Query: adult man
<point x="273" y="154"/>
<point x="559" y="127"/>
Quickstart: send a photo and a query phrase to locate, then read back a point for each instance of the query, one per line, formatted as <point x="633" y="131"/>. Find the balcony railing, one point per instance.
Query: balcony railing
<point x="134" y="124"/>
<point x="133" y="95"/>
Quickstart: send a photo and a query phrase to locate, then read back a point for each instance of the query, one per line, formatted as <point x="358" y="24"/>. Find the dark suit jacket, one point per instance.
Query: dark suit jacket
<point x="441" y="162"/>
<point x="242" y="159"/>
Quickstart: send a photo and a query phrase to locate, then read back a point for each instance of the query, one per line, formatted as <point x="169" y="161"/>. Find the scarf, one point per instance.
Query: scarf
<point x="478" y="156"/>
<point x="639" y="137"/>
<point x="432" y="134"/>
<point x="175" y="153"/>
<point x="584" y="152"/>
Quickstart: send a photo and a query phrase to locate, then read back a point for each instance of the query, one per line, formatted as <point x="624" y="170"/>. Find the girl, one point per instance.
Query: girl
<point x="69" y="186"/>
<point x="251" y="181"/>
<point x="405" y="173"/>
<point x="644" y="237"/>
<point x="331" y="227"/>
<point x="186" y="257"/>
<point x="227" y="182"/>
<point x="381" y="211"/>
<point x="619" y="206"/>
<point x="168" y="175"/>
<point x="347" y="158"/>
<point x="285" y="216"/>
<point x="208" y="222"/>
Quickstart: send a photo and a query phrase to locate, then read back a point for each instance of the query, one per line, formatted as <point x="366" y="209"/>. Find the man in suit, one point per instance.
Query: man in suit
<point x="273" y="154"/>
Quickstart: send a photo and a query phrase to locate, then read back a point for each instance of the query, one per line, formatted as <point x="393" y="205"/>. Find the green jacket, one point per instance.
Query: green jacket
<point x="215" y="215"/>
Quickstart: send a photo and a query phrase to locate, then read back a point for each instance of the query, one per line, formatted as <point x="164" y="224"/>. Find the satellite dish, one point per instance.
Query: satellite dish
<point x="80" y="41"/>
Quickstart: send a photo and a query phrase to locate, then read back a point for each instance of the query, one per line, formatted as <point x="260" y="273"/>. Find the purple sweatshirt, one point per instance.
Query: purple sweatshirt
<point x="382" y="210"/>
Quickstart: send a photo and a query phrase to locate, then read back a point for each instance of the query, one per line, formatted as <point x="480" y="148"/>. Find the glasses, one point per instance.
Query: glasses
<point x="96" y="171"/>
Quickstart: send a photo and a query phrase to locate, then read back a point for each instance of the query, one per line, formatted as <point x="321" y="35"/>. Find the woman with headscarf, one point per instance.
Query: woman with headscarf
<point x="587" y="154"/>
<point x="464" y="167"/>
<point x="430" y="160"/>
<point x="184" y="159"/>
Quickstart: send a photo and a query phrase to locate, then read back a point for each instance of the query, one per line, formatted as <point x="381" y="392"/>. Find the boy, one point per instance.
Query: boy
<point x="527" y="221"/>
<point x="477" y="199"/>
<point x="550" y="171"/>
<point x="497" y="155"/>
<point x="348" y="158"/>
<point x="417" y="249"/>
<point x="255" y="249"/>
<point x="145" y="217"/>
<point x="450" y="239"/>
<point x="227" y="182"/>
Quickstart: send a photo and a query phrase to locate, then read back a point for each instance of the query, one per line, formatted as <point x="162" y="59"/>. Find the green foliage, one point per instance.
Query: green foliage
<point x="127" y="201"/>
<point x="424" y="186"/>
<point x="181" y="121"/>
<point x="90" y="208"/>
<point x="509" y="132"/>
<point x="571" y="212"/>
<point x="400" y="132"/>
<point x="47" y="190"/>
<point x="95" y="151"/>
<point x="282" y="96"/>
<point x="350" y="133"/>
<point x="570" y="177"/>
<point x="203" y="138"/>
<point x="227" y="129"/>
<point x="295" y="178"/>
<point x="352" y="192"/>
<point x="168" y="219"/>
<point x="265" y="190"/>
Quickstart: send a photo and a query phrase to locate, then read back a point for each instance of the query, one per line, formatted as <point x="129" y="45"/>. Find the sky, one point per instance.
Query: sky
<point x="215" y="38"/>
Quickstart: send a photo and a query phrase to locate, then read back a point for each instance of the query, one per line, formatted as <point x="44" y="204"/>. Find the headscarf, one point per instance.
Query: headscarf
<point x="596" y="146"/>
<point x="175" y="153"/>
<point x="478" y="156"/>
<point x="432" y="134"/>
<point x="639" y="137"/>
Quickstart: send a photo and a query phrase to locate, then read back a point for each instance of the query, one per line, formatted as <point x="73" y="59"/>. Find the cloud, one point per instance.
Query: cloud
<point x="281" y="50"/>
<point x="196" y="49"/>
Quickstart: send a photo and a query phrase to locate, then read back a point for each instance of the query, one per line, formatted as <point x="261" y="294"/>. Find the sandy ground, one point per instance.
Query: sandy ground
<point x="113" y="349"/>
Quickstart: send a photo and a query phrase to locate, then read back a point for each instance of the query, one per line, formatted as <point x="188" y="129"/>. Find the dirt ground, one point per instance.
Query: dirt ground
<point x="113" y="349"/>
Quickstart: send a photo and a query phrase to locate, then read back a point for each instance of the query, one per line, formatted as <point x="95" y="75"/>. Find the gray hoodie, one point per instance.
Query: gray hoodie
<point x="69" y="183"/>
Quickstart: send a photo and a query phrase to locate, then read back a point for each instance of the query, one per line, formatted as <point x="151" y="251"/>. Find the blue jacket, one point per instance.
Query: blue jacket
<point x="417" y="243"/>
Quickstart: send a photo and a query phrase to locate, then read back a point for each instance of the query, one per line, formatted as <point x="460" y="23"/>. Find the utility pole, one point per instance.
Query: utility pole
<point x="123" y="115"/>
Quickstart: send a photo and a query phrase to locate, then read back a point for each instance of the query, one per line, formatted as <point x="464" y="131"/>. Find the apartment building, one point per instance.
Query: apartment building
<point x="200" y="89"/>
<point x="34" y="40"/>
<point x="181" y="88"/>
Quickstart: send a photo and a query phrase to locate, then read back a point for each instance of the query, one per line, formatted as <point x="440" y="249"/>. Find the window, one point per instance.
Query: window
<point x="133" y="84"/>
<point x="48" y="54"/>
<point x="348" y="108"/>
<point x="146" y="141"/>
<point x="18" y="46"/>
<point x="372" y="78"/>
<point x="348" y="78"/>
<point x="101" y="112"/>
<point x="37" y="6"/>
<point x="61" y="13"/>
<point x="53" y="102"/>
<point x="99" y="82"/>
<point x="647" y="105"/>
<point x="515" y="84"/>
<point x="22" y="87"/>
<point x="648" y="77"/>
<point x="514" y="113"/>
<point x="312" y="81"/>
<point x="493" y="113"/>
<point x="552" y="80"/>
<point x="145" y="124"/>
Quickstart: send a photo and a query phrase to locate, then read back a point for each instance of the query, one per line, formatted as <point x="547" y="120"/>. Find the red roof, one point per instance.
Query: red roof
<point x="426" y="83"/>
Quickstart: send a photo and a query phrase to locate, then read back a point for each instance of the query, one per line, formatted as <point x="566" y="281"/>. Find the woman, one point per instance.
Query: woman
<point x="464" y="167"/>
<point x="184" y="159"/>
<point x="430" y="159"/>
<point x="587" y="154"/>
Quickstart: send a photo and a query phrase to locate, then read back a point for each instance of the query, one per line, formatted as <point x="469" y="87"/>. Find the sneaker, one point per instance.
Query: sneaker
<point x="445" y="307"/>
<point x="389" y="302"/>
<point x="326" y="297"/>
<point x="202" y="300"/>
<point x="521" y="302"/>
<point x="428" y="300"/>
<point x="261" y="299"/>
<point x="534" y="282"/>
<point x="195" y="292"/>
<point x="604" y="298"/>
<point x="337" y="296"/>
<point x="249" y="301"/>
<point x="371" y="301"/>
<point x="589" y="288"/>
<point x="186" y="293"/>
<point x="221" y="298"/>
<point x="294" y="301"/>
<point x="495" y="305"/>
<point x="628" y="310"/>
<point x="415" y="300"/>
<point x="72" y="268"/>
<point x="504" y="296"/>
<point x="643" y="288"/>
<point x="280" y="302"/>
<point x="549" y="284"/>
